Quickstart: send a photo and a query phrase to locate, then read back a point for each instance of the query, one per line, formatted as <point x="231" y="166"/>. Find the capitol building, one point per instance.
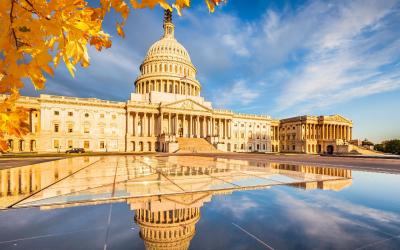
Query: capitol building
<point x="166" y="113"/>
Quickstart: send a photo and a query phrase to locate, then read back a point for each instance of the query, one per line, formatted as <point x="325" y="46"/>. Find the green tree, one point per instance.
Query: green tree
<point x="392" y="146"/>
<point x="379" y="147"/>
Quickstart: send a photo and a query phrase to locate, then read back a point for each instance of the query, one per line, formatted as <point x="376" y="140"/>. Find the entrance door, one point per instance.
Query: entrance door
<point x="329" y="149"/>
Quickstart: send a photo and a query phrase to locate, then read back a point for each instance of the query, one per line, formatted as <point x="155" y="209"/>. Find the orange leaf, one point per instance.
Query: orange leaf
<point x="120" y="31"/>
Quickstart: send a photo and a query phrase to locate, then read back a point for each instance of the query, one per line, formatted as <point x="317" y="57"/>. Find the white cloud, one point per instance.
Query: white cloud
<point x="238" y="93"/>
<point x="341" y="61"/>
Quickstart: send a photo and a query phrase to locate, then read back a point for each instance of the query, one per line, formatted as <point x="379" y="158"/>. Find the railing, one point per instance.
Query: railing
<point x="95" y="100"/>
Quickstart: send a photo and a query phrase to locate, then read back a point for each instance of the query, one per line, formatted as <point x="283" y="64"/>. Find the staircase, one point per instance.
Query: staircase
<point x="195" y="145"/>
<point x="362" y="151"/>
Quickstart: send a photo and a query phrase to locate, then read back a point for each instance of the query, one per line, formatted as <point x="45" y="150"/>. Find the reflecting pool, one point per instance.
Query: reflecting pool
<point x="182" y="202"/>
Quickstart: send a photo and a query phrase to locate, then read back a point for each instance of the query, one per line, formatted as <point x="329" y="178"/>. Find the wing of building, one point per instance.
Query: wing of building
<point x="167" y="113"/>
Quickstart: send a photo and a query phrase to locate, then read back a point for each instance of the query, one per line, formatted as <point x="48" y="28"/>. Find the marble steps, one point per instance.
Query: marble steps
<point x="195" y="145"/>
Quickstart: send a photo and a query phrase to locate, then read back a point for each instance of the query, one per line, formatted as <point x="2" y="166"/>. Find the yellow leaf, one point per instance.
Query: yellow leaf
<point x="48" y="70"/>
<point x="120" y="31"/>
<point x="70" y="66"/>
<point x="56" y="60"/>
<point x="180" y="4"/>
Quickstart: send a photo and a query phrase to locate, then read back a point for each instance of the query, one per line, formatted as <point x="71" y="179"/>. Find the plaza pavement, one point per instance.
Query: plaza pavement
<point x="355" y="163"/>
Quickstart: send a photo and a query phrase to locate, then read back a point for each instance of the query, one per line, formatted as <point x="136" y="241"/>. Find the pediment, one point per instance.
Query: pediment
<point x="339" y="118"/>
<point x="187" y="104"/>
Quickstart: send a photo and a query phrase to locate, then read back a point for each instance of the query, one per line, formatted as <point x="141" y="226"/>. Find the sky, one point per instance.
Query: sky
<point x="278" y="58"/>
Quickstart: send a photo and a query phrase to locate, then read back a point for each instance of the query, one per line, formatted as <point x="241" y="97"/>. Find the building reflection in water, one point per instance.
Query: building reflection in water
<point x="166" y="221"/>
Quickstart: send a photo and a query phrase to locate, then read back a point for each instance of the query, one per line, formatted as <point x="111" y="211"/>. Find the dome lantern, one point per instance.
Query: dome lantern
<point x="168" y="25"/>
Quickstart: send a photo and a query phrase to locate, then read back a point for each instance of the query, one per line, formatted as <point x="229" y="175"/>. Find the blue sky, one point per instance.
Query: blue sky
<point x="281" y="58"/>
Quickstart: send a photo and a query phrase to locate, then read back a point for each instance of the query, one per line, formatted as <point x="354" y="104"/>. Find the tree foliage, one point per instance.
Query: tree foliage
<point x="35" y="35"/>
<point x="391" y="146"/>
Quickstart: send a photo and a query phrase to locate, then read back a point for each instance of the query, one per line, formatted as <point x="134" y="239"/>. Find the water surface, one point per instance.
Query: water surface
<point x="196" y="203"/>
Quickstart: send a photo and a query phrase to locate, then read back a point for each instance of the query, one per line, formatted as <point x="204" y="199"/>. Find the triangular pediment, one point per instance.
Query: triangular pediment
<point x="187" y="104"/>
<point x="338" y="118"/>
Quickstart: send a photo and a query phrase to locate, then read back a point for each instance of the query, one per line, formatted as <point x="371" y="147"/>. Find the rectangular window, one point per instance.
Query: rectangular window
<point x="101" y="115"/>
<point x="56" y="128"/>
<point x="70" y="113"/>
<point x="101" y="144"/>
<point x="114" y="117"/>
<point x="56" y="144"/>
<point x="86" y="144"/>
<point x="86" y="129"/>
<point x="70" y="128"/>
<point x="56" y="112"/>
<point x="70" y="144"/>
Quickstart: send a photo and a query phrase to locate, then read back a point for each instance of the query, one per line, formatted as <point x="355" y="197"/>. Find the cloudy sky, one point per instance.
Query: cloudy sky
<point x="281" y="58"/>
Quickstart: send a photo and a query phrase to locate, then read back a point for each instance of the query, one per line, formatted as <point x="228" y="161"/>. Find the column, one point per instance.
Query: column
<point x="229" y="129"/>
<point x="209" y="126"/>
<point x="219" y="127"/>
<point x="145" y="127"/>
<point x="169" y="124"/>
<point x="135" y="121"/>
<point x="184" y="124"/>
<point x="129" y="123"/>
<point x="161" y="123"/>
<point x="311" y="131"/>
<point x="212" y="126"/>
<point x="176" y="125"/>
<point x="344" y="132"/>
<point x="225" y="134"/>
<point x="336" y="132"/>
<point x="152" y="125"/>
<point x="316" y="131"/>
<point x="198" y="126"/>
<point x="202" y="126"/>
<point x="328" y="127"/>
<point x="328" y="131"/>
<point x="191" y="126"/>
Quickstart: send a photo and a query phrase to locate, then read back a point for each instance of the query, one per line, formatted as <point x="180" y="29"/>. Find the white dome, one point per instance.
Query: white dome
<point x="167" y="67"/>
<point x="168" y="48"/>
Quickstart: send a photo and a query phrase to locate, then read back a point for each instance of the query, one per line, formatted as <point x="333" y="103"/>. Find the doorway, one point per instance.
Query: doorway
<point x="329" y="149"/>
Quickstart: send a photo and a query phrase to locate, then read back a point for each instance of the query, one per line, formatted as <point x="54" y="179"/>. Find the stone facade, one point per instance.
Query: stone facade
<point x="166" y="106"/>
<point x="315" y="134"/>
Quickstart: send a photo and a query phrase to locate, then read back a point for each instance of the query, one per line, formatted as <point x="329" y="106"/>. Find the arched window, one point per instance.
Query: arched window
<point x="170" y="68"/>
